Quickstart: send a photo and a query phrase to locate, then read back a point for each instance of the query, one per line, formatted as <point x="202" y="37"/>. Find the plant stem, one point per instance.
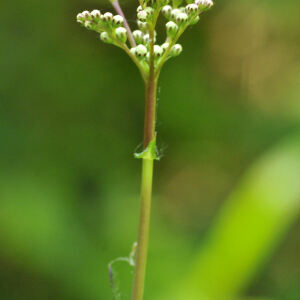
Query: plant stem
<point x="150" y="101"/>
<point x="118" y="9"/>
<point x="147" y="175"/>
<point x="135" y="60"/>
<point x="143" y="236"/>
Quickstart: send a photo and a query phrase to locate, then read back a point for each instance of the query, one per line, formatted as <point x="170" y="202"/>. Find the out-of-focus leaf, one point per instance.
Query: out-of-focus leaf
<point x="255" y="217"/>
<point x="39" y="233"/>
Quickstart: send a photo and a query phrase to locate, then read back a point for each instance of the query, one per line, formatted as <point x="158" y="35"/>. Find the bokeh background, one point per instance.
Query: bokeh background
<point x="71" y="117"/>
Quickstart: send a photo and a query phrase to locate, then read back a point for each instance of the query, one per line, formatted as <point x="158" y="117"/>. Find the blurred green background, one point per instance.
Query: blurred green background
<point x="71" y="116"/>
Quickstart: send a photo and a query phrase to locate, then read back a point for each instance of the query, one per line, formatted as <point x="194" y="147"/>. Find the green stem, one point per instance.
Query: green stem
<point x="135" y="60"/>
<point x="143" y="236"/>
<point x="167" y="52"/>
<point x="147" y="174"/>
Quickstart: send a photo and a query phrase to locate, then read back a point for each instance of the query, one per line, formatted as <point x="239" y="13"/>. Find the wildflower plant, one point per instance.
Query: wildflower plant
<point x="149" y="57"/>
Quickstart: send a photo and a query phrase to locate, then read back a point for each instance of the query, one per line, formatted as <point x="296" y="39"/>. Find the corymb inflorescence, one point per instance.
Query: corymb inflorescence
<point x="139" y="44"/>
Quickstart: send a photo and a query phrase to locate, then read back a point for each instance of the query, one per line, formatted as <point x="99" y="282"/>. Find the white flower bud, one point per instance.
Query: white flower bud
<point x="172" y="28"/>
<point x="195" y="20"/>
<point x="133" y="50"/>
<point x="88" y="25"/>
<point x="142" y="25"/>
<point x="146" y="38"/>
<point x="86" y="15"/>
<point x="149" y="10"/>
<point x="158" y="51"/>
<point x="118" y="20"/>
<point x="176" y="50"/>
<point x="204" y="4"/>
<point x="141" y="51"/>
<point x="209" y="3"/>
<point x="139" y="9"/>
<point x="142" y="15"/>
<point x="138" y="36"/>
<point x="148" y="56"/>
<point x="166" y="11"/>
<point x="105" y="38"/>
<point x="107" y="17"/>
<point x="191" y="8"/>
<point x="80" y="18"/>
<point x="121" y="34"/>
<point x="165" y="46"/>
<point x="174" y="13"/>
<point x="181" y="18"/>
<point x="200" y="2"/>
<point x="96" y="14"/>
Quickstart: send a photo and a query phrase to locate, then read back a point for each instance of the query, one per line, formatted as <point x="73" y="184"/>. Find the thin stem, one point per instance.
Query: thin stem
<point x="167" y="52"/>
<point x="150" y="103"/>
<point x="119" y="10"/>
<point x="164" y="58"/>
<point x="135" y="60"/>
<point x="143" y="236"/>
<point x="147" y="174"/>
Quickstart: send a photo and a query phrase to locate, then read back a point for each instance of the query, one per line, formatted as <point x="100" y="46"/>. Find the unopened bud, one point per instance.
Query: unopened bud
<point x="105" y="38"/>
<point x="191" y="8"/>
<point x="142" y="25"/>
<point x="107" y="17"/>
<point x="80" y="18"/>
<point x="209" y="3"/>
<point x="166" y="11"/>
<point x="165" y="46"/>
<point x="146" y="38"/>
<point x="138" y="36"/>
<point x="172" y="28"/>
<point x="181" y="18"/>
<point x="86" y="15"/>
<point x="89" y="25"/>
<point x="139" y="8"/>
<point x="176" y="50"/>
<point x="141" y="51"/>
<point x="174" y="13"/>
<point x="96" y="14"/>
<point x="195" y="20"/>
<point x="158" y="51"/>
<point x="133" y="50"/>
<point x="121" y="34"/>
<point x="142" y="15"/>
<point x="118" y="20"/>
<point x="149" y="10"/>
<point x="204" y="4"/>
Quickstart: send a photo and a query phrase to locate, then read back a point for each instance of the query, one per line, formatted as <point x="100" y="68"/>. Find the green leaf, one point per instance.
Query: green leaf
<point x="247" y="230"/>
<point x="150" y="152"/>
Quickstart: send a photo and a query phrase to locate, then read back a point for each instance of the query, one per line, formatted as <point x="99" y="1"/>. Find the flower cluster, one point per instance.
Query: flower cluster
<point x="113" y="29"/>
<point x="109" y="26"/>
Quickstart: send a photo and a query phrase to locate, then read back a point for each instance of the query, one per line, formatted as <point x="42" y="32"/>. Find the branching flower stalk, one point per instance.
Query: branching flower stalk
<point x="149" y="57"/>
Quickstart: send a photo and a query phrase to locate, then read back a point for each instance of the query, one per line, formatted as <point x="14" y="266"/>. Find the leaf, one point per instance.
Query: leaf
<point x="249" y="227"/>
<point x="150" y="152"/>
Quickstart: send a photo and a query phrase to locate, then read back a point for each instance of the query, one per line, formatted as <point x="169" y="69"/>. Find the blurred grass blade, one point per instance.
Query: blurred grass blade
<point x="250" y="225"/>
